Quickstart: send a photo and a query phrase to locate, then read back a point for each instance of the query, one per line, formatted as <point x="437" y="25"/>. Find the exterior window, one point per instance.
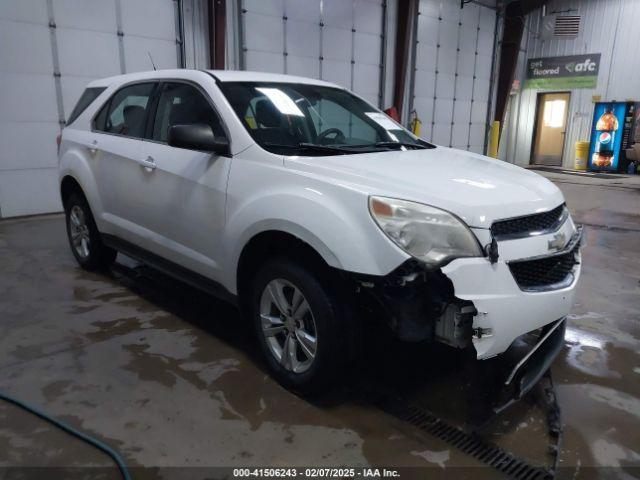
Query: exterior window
<point x="88" y="96"/>
<point x="127" y="111"/>
<point x="291" y="118"/>
<point x="183" y="104"/>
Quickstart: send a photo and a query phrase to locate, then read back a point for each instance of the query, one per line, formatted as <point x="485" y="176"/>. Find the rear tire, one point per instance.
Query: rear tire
<point x="304" y="328"/>
<point x="84" y="237"/>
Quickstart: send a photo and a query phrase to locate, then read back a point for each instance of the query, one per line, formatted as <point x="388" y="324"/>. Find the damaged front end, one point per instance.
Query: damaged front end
<point x="419" y="304"/>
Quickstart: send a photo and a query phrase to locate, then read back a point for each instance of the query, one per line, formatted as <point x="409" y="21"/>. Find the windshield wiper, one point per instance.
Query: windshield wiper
<point x="312" y="147"/>
<point x="398" y="144"/>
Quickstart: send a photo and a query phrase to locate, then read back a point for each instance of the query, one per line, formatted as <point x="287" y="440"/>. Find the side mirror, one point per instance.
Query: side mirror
<point x="198" y="136"/>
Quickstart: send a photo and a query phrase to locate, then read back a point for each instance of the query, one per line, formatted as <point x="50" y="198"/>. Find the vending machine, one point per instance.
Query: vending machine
<point x="613" y="130"/>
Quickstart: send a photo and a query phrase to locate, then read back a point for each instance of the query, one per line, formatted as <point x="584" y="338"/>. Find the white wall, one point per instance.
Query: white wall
<point x="77" y="39"/>
<point x="609" y="27"/>
<point x="340" y="41"/>
<point x="451" y="79"/>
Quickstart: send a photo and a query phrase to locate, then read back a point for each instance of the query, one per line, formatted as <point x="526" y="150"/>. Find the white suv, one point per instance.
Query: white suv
<point x="316" y="213"/>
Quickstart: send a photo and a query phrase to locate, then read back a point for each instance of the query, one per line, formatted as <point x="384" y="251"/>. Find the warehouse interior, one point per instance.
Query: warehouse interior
<point x="169" y="378"/>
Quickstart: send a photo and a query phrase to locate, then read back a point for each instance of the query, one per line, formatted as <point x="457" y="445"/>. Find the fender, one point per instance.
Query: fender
<point x="343" y="239"/>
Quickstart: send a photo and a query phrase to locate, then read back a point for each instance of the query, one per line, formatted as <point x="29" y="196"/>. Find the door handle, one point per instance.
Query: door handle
<point x="93" y="147"/>
<point x="148" y="163"/>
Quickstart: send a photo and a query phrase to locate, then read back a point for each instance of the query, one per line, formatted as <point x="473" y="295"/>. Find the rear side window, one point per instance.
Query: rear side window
<point x="88" y="96"/>
<point x="126" y="112"/>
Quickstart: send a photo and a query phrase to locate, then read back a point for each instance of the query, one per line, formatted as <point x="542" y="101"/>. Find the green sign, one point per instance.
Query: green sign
<point x="568" y="72"/>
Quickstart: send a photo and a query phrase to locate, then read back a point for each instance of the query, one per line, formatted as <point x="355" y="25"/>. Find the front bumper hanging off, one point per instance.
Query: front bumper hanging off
<point x="524" y="371"/>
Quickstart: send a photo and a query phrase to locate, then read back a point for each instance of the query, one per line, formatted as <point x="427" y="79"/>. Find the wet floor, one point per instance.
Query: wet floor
<point x="172" y="380"/>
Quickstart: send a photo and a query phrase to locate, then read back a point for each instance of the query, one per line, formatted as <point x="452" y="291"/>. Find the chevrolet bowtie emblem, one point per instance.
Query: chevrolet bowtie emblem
<point x="558" y="242"/>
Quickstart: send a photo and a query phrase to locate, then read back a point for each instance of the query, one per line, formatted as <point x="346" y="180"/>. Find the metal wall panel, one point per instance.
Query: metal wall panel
<point x="50" y="50"/>
<point x="608" y="27"/>
<point x="340" y="41"/>
<point x="452" y="71"/>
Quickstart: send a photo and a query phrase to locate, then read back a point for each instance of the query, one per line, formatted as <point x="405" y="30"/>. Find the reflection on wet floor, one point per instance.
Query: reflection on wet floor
<point x="171" y="377"/>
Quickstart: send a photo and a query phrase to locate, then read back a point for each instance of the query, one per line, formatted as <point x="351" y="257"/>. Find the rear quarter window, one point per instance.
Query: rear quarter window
<point x="88" y="96"/>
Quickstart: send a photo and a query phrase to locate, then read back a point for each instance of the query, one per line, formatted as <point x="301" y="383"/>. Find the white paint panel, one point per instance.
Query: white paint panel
<point x="73" y="51"/>
<point x="266" y="7"/>
<point x="94" y="15"/>
<point x="460" y="135"/>
<point x="366" y="48"/>
<point x="445" y="85"/>
<point x="447" y="60"/>
<point x="32" y="11"/>
<point x="306" y="11"/>
<point x="264" y="33"/>
<point x="338" y="13"/>
<point x="28" y="192"/>
<point x="462" y="112"/>
<point x="25" y="48"/>
<point x="265" y="61"/>
<point x="425" y="84"/>
<point x="441" y="134"/>
<point x="303" y="66"/>
<point x="28" y="98"/>
<point x="149" y="18"/>
<point x="336" y="43"/>
<point x="366" y="81"/>
<point x="476" y="134"/>
<point x="137" y="59"/>
<point x="72" y="88"/>
<point x="303" y="39"/>
<point x="368" y="16"/>
<point x="443" y="111"/>
<point x="479" y="112"/>
<point x="337" y="72"/>
<point x="464" y="88"/>
<point x="20" y="151"/>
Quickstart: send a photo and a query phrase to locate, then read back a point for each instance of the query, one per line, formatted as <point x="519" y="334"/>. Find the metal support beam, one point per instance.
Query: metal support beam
<point x="217" y="33"/>
<point x="406" y="11"/>
<point x="514" y="20"/>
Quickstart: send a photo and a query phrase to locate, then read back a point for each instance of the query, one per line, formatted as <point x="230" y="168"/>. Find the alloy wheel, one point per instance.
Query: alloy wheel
<point x="288" y="325"/>
<point x="79" y="231"/>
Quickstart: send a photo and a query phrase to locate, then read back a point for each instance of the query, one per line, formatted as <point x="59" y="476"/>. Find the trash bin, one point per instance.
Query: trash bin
<point x="582" y="154"/>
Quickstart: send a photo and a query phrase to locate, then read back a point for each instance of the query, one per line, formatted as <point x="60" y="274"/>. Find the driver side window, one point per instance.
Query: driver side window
<point x="183" y="104"/>
<point x="327" y="114"/>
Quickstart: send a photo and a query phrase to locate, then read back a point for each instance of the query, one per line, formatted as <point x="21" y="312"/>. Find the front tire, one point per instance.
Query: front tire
<point x="302" y="326"/>
<point x="84" y="237"/>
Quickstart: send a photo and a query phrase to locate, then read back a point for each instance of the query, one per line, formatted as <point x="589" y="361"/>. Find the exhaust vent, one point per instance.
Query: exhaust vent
<point x="567" y="26"/>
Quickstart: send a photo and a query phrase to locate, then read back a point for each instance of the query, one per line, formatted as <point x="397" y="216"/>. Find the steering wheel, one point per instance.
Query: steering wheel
<point x="339" y="136"/>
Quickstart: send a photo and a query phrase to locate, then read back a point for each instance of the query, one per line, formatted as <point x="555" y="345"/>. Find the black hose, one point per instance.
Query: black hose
<point x="72" y="431"/>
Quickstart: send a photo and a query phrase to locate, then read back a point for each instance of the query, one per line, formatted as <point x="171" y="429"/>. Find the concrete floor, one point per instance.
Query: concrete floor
<point x="170" y="378"/>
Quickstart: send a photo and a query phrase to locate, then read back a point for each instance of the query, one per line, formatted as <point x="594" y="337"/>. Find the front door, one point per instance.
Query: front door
<point x="184" y="190"/>
<point x="551" y="126"/>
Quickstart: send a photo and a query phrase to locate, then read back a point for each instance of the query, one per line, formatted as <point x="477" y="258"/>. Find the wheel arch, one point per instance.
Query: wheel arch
<point x="279" y="241"/>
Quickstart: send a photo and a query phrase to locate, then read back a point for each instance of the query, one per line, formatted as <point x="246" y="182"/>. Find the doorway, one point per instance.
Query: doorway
<point x="550" y="128"/>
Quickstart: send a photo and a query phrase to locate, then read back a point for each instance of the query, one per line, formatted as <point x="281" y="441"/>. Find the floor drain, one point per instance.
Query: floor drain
<point x="470" y="444"/>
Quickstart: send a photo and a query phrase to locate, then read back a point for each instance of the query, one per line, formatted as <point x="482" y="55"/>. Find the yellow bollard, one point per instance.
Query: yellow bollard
<point x="494" y="139"/>
<point x="582" y="155"/>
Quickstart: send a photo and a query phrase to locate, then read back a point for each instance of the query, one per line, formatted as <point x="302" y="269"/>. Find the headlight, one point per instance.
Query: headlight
<point x="427" y="233"/>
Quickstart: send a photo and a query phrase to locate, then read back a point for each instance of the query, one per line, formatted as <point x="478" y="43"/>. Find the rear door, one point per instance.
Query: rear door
<point x="182" y="192"/>
<point x="118" y="130"/>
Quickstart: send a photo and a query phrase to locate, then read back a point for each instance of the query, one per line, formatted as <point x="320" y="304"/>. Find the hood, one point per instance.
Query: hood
<point x="476" y="188"/>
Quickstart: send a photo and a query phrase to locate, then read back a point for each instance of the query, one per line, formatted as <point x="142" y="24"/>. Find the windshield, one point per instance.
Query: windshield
<point x="299" y="119"/>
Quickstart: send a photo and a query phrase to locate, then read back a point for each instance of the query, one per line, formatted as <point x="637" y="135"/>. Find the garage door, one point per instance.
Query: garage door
<point x="450" y="89"/>
<point x="340" y="41"/>
<point x="50" y="49"/>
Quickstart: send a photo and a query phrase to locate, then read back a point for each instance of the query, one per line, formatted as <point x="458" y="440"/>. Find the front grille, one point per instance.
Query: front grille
<point x="537" y="222"/>
<point x="544" y="272"/>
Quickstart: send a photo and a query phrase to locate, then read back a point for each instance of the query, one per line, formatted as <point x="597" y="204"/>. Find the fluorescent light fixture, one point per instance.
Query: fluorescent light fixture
<point x="282" y="101"/>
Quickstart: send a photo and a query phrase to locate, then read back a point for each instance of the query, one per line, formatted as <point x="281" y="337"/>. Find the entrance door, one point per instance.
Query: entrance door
<point x="551" y="126"/>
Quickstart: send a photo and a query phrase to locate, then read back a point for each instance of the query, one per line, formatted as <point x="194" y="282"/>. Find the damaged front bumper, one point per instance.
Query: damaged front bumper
<point x="475" y="302"/>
